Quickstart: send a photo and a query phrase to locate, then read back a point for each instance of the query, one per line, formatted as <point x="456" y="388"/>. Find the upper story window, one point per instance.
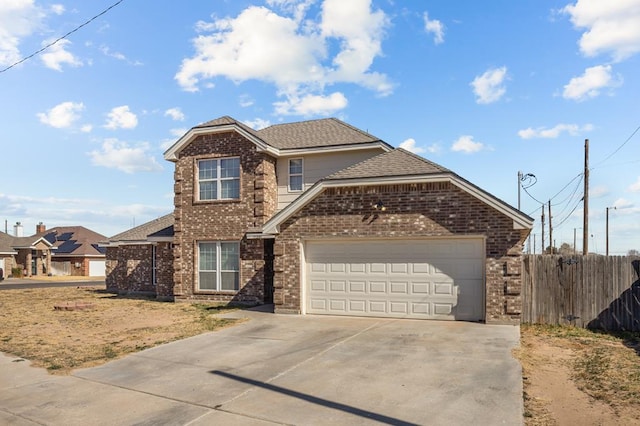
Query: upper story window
<point x="295" y="174"/>
<point x="219" y="179"/>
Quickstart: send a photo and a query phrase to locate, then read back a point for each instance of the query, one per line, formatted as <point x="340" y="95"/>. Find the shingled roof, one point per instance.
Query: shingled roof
<point x="162" y="226"/>
<point x="313" y="134"/>
<point x="398" y="162"/>
<point x="6" y="241"/>
<point x="226" y="121"/>
<point x="73" y="241"/>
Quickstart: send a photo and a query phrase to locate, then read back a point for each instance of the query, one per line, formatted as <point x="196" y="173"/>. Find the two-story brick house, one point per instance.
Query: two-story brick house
<point x="319" y="217"/>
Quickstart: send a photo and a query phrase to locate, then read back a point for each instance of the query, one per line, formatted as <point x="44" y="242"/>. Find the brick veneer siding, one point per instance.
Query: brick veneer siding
<point x="222" y="220"/>
<point x="164" y="271"/>
<point x="129" y="269"/>
<point x="412" y="210"/>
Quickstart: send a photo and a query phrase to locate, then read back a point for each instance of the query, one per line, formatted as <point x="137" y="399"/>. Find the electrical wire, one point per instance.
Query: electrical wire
<point x="26" y="58"/>
<point x="569" y="215"/>
<point x="618" y="148"/>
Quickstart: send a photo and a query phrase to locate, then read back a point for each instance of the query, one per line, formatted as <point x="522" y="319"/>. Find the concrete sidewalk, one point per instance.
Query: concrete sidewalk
<point x="297" y="370"/>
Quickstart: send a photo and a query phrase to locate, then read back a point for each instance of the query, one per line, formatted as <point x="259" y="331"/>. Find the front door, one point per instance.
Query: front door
<point x="268" y="271"/>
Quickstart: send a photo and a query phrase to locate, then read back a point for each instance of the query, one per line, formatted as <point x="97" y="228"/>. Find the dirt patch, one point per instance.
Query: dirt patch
<point x="577" y="377"/>
<point x="63" y="339"/>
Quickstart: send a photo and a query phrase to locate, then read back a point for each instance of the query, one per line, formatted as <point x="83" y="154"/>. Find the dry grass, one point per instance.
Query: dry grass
<point x="115" y="326"/>
<point x="605" y="366"/>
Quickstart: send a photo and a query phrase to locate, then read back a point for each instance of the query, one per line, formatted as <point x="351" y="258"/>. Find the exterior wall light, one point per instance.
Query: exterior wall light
<point x="379" y="206"/>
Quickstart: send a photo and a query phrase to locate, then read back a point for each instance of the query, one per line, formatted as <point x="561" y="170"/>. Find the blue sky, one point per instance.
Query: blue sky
<point x="485" y="89"/>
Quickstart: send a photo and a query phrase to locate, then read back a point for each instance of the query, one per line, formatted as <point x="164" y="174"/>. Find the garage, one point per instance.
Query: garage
<point x="97" y="268"/>
<point x="419" y="279"/>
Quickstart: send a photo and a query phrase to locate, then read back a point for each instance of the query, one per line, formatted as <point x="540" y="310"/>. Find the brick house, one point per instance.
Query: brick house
<point x="63" y="250"/>
<point x="320" y="217"/>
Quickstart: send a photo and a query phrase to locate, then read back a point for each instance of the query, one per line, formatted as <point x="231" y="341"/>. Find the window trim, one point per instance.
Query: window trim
<point x="218" y="270"/>
<point x="218" y="179"/>
<point x="290" y="175"/>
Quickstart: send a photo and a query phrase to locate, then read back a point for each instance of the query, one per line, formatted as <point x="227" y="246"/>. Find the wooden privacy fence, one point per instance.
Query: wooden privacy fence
<point x="591" y="291"/>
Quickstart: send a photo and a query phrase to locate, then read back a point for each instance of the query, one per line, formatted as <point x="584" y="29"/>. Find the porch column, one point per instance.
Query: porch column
<point x="48" y="264"/>
<point x="27" y="265"/>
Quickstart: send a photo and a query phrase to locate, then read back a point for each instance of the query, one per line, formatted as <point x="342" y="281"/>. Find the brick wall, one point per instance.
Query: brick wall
<point x="412" y="210"/>
<point x="129" y="269"/>
<point x="227" y="220"/>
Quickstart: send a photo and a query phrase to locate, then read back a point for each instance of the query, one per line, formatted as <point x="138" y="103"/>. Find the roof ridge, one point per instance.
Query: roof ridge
<point x="344" y="123"/>
<point x="158" y="219"/>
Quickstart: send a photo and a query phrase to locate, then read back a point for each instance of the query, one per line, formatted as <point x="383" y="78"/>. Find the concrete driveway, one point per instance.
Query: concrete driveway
<point x="294" y="370"/>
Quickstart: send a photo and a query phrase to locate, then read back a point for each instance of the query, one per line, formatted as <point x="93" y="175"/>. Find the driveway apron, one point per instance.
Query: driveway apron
<point x="294" y="370"/>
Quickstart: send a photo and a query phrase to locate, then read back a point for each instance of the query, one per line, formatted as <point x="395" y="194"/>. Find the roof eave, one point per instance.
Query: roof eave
<point x="171" y="154"/>
<point x="288" y="152"/>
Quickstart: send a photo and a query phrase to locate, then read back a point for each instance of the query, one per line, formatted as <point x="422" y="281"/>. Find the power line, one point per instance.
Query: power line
<point x="26" y="58"/>
<point x="618" y="148"/>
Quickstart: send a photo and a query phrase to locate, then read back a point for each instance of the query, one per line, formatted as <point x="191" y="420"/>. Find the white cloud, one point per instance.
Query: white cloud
<point x="434" y="27"/>
<point x="295" y="52"/>
<point x="57" y="55"/>
<point x="489" y="87"/>
<point x="610" y="27"/>
<point x="599" y="191"/>
<point x="120" y="155"/>
<point x="121" y="118"/>
<point x="554" y="132"/>
<point x="86" y="128"/>
<point x="589" y="84"/>
<point x="175" y="114"/>
<point x="62" y="115"/>
<point x="179" y="131"/>
<point x="246" y="100"/>
<point x="18" y="19"/>
<point x="117" y="55"/>
<point x="311" y="104"/>
<point x="467" y="145"/>
<point x="58" y="9"/>
<point x="622" y="204"/>
<point x="410" y="145"/>
<point x="635" y="187"/>
<point x="258" y="123"/>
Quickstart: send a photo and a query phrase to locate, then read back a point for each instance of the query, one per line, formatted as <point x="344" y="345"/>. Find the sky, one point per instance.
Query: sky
<point x="94" y="92"/>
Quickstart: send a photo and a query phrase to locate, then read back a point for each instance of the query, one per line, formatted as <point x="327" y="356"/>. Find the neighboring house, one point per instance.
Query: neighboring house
<point x="7" y="254"/>
<point x="64" y="250"/>
<point x="140" y="260"/>
<point x="320" y="217"/>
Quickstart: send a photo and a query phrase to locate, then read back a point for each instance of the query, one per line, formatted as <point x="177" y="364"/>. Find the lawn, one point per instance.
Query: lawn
<point x="577" y="376"/>
<point x="109" y="327"/>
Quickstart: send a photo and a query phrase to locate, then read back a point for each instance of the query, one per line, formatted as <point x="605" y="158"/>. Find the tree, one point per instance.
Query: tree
<point x="633" y="252"/>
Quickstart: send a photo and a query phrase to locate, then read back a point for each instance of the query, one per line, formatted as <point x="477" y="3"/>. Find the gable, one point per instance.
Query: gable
<point x="285" y="139"/>
<point x="396" y="167"/>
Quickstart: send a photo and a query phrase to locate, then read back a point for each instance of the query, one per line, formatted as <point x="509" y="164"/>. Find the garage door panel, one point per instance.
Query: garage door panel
<point x="357" y="287"/>
<point x="378" y="268"/>
<point x="399" y="287"/>
<point x="396" y="279"/>
<point x="420" y="287"/>
<point x="357" y="268"/>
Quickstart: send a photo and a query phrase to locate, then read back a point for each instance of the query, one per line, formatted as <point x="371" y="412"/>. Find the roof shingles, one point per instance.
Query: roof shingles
<point x="398" y="162"/>
<point x="313" y="134"/>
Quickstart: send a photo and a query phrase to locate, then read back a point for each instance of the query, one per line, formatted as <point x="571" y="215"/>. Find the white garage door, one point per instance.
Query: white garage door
<point x="428" y="279"/>
<point x="97" y="268"/>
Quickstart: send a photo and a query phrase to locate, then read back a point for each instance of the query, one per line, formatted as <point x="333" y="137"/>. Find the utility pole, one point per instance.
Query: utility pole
<point x="543" y="229"/>
<point x="551" y="243"/>
<point x="585" y="219"/>
<point x="574" y="241"/>
<point x="519" y="184"/>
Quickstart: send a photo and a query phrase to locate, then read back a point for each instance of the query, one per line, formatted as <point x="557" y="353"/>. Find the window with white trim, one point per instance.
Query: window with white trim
<point x="219" y="179"/>
<point x="296" y="175"/>
<point x="218" y="266"/>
